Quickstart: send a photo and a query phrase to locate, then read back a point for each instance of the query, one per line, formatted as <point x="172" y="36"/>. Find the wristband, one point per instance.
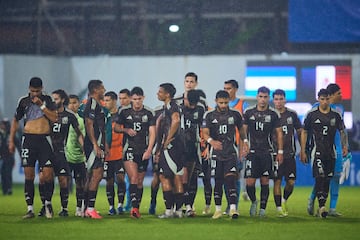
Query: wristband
<point x="43" y="106"/>
<point x="280" y="151"/>
<point x="209" y="140"/>
<point x="245" y="140"/>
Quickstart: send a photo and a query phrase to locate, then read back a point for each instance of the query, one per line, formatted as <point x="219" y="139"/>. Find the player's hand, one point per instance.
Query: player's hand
<point x="280" y="158"/>
<point x="303" y="157"/>
<point x="217" y="145"/>
<point x="130" y="132"/>
<point x="37" y="101"/>
<point x="146" y="155"/>
<point x="11" y="147"/>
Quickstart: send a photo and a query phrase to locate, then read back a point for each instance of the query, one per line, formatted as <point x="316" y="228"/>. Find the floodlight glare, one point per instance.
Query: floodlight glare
<point x="174" y="28"/>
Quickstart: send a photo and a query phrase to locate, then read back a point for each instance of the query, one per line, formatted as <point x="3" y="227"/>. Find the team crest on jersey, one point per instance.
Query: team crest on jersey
<point x="231" y="120"/>
<point x="332" y="122"/>
<point x="144" y="118"/>
<point x="196" y="115"/>
<point x="289" y="120"/>
<point x="267" y="118"/>
<point x="65" y="120"/>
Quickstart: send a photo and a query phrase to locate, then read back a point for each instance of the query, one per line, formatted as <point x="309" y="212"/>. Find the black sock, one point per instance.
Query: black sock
<point x="264" y="195"/>
<point x="251" y="192"/>
<point x="110" y="193"/>
<point x="29" y="190"/>
<point x="64" y="196"/>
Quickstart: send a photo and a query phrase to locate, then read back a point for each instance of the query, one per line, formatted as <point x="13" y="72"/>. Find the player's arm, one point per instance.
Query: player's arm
<point x="344" y="142"/>
<point x="49" y="113"/>
<point x="152" y="134"/>
<point x="89" y="127"/>
<point x="13" y="129"/>
<point x="303" y="138"/>
<point x="217" y="145"/>
<point x="280" y="145"/>
<point x="175" y="124"/>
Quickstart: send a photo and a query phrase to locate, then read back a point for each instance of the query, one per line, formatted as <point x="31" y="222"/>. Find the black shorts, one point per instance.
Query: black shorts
<point x="323" y="165"/>
<point x="287" y="169"/>
<point x="205" y="171"/>
<point x="36" y="147"/>
<point x="112" y="168"/>
<point x="137" y="158"/>
<point x="61" y="166"/>
<point x="92" y="161"/>
<point x="258" y="165"/>
<point x="78" y="169"/>
<point x="223" y="168"/>
<point x="155" y="166"/>
<point x="171" y="160"/>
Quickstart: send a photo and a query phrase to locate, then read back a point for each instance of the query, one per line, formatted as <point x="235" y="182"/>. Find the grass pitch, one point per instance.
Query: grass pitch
<point x="298" y="225"/>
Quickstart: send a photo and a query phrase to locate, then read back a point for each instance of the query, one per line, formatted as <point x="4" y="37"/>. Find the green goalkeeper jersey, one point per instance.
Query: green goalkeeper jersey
<point x="74" y="152"/>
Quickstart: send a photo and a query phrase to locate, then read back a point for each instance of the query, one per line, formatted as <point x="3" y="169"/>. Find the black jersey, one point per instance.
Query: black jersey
<point x="164" y="122"/>
<point x="139" y="121"/>
<point x="289" y="122"/>
<point x="191" y="119"/>
<point x="29" y="111"/>
<point x="260" y="127"/>
<point x="323" y="127"/>
<point x="94" y="111"/>
<point x="222" y="127"/>
<point x="60" y="129"/>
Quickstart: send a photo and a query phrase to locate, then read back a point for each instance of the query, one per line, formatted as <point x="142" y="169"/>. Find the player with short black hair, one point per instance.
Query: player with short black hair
<point x="137" y="123"/>
<point x="322" y="122"/>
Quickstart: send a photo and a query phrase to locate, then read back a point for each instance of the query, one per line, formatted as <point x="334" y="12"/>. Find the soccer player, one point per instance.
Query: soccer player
<point x="59" y="134"/>
<point x="38" y="111"/>
<point x="137" y="123"/>
<point x="125" y="100"/>
<point x="323" y="122"/>
<point x="169" y="152"/>
<point x="114" y="165"/>
<point x="75" y="156"/>
<point x="335" y="103"/>
<point x="191" y="83"/>
<point x="290" y="123"/>
<point x="260" y="121"/>
<point x="232" y="86"/>
<point x="155" y="182"/>
<point x="219" y="130"/>
<point x="94" y="143"/>
<point x="191" y="119"/>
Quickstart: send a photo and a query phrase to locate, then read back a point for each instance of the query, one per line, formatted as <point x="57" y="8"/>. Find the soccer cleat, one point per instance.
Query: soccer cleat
<point x="206" y="211"/>
<point x="284" y="207"/>
<point x="310" y="207"/>
<point x="64" y="213"/>
<point x="217" y="214"/>
<point x="190" y="213"/>
<point x="245" y="196"/>
<point x="134" y="213"/>
<point x="92" y="214"/>
<point x="79" y="213"/>
<point x="262" y="212"/>
<point x="253" y="208"/>
<point x="49" y="213"/>
<point x="227" y="210"/>
<point x="42" y="212"/>
<point x="234" y="214"/>
<point x="281" y="213"/>
<point x="179" y="214"/>
<point x="28" y="215"/>
<point x="334" y="213"/>
<point x="120" y="210"/>
<point x="112" y="212"/>
<point x="164" y="215"/>
<point x="322" y="213"/>
<point x="152" y="208"/>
